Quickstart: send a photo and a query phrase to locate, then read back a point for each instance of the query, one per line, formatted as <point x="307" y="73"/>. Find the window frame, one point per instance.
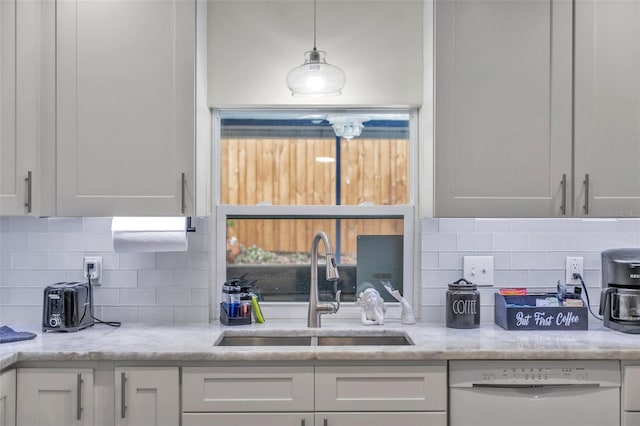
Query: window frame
<point x="282" y="310"/>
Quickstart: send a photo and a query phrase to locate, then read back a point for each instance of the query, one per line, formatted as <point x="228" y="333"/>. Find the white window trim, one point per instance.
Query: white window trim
<point x="298" y="310"/>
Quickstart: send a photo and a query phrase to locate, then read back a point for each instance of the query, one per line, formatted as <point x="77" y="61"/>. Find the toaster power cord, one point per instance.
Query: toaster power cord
<point x="95" y="320"/>
<point x="586" y="294"/>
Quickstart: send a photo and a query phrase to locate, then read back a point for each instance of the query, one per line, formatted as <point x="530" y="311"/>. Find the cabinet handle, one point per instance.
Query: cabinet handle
<point x="123" y="399"/>
<point x="303" y="422"/>
<point x="325" y="422"/>
<point x="27" y="204"/>
<point x="563" y="207"/>
<point x="182" y="196"/>
<point x="79" y="402"/>
<point x="586" y="194"/>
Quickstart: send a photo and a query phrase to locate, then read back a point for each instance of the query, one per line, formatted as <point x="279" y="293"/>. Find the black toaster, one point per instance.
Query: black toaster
<point x="67" y="306"/>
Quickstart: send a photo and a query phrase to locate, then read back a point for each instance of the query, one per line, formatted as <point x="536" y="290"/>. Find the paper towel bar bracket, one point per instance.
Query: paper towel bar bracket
<point x="189" y="227"/>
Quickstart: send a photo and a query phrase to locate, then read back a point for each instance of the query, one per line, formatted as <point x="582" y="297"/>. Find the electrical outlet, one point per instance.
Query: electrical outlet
<point x="93" y="264"/>
<point x="575" y="265"/>
<point x="478" y="269"/>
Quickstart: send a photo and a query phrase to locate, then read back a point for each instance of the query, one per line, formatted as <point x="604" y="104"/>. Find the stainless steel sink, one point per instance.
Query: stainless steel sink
<point x="264" y="341"/>
<point x="360" y="339"/>
<point x="364" y="340"/>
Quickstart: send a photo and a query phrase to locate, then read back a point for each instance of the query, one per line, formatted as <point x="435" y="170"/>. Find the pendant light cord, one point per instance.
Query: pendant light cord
<point x="314" y="25"/>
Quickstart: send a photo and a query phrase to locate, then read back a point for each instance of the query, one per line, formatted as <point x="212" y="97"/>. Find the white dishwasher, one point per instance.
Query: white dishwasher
<point x="523" y="393"/>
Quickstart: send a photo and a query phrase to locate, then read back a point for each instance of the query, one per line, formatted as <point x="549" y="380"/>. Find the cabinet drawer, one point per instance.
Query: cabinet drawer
<point x="630" y="419"/>
<point x="382" y="419"/>
<point x="631" y="388"/>
<point x="246" y="389"/>
<point x="247" y="419"/>
<point x="381" y="388"/>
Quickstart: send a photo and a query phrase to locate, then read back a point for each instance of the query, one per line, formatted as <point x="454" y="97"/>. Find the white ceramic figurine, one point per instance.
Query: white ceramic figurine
<point x="373" y="307"/>
<point x="407" y="316"/>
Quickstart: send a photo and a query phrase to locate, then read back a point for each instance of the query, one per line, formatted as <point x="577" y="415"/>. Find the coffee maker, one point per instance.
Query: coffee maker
<point x="620" y="298"/>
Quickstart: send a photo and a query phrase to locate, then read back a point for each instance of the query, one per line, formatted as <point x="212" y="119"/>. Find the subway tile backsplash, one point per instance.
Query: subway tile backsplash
<point x="527" y="253"/>
<point x="174" y="287"/>
<point x="136" y="287"/>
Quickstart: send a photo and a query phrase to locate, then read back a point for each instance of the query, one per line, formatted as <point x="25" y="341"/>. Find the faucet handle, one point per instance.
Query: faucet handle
<point x="337" y="306"/>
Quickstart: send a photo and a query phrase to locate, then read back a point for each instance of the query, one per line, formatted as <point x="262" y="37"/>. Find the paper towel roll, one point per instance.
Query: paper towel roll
<point x="149" y="234"/>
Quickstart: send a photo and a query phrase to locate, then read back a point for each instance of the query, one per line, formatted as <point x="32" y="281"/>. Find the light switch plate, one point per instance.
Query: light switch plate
<point x="478" y="269"/>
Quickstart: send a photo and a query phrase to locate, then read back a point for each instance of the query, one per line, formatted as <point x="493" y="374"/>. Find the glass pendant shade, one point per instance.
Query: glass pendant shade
<point x="316" y="77"/>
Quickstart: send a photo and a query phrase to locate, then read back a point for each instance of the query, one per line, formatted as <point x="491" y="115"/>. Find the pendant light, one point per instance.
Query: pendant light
<point x="315" y="77"/>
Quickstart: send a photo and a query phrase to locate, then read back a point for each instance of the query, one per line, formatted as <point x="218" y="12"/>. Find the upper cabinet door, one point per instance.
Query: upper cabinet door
<point x="125" y="107"/>
<point x="607" y="108"/>
<point x="12" y="197"/>
<point x="26" y="104"/>
<point x="503" y="108"/>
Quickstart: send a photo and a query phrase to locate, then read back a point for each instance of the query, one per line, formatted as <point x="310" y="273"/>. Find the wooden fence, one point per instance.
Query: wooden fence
<point x="285" y="172"/>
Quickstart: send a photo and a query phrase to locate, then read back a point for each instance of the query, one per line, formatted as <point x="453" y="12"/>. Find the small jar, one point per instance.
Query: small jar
<point x="245" y="303"/>
<point x="463" y="305"/>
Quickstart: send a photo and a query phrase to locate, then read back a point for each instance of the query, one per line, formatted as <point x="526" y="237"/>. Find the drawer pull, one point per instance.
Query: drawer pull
<point x="123" y="399"/>
<point x="183" y="204"/>
<point x="79" y="398"/>
<point x="27" y="180"/>
<point x="563" y="207"/>
<point x="586" y="194"/>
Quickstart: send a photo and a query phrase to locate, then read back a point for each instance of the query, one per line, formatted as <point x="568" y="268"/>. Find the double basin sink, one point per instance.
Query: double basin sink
<point x="315" y="339"/>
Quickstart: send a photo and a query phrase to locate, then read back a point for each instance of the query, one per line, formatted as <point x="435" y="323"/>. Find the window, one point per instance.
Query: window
<point x="284" y="175"/>
<point x="314" y="159"/>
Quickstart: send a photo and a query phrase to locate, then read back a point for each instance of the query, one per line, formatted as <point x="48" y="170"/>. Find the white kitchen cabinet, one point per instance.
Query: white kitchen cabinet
<point x="398" y="418"/>
<point x="502" y="108"/>
<point x="55" y="396"/>
<point x="630" y="395"/>
<point x="607" y="108"/>
<point x="147" y="396"/>
<point x="505" y="113"/>
<point x="247" y="389"/>
<point x="126" y="107"/>
<point x="381" y="395"/>
<point x="381" y="388"/>
<point x="322" y="395"/>
<point x="8" y="398"/>
<point x="248" y="419"/>
<point x="238" y="396"/>
<point x="27" y="90"/>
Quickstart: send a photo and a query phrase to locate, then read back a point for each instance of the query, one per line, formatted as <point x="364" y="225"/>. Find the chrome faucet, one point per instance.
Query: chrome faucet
<point x="315" y="307"/>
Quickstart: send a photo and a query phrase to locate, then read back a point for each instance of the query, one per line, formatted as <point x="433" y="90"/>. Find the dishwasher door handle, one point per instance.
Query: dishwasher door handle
<point x="534" y="386"/>
<point x="537" y="390"/>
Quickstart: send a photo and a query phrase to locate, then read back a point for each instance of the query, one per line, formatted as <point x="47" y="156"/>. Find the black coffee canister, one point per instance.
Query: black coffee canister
<point x="463" y="305"/>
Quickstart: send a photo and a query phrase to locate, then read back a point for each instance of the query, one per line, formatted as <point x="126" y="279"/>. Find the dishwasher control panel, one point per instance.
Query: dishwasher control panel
<point x="508" y="372"/>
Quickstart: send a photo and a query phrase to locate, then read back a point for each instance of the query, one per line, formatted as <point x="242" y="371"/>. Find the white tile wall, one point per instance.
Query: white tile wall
<point x="174" y="287"/>
<point x="527" y="253"/>
<point x="136" y="287"/>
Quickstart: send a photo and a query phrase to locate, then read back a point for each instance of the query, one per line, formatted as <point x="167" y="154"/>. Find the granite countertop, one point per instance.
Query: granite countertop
<point x="195" y="342"/>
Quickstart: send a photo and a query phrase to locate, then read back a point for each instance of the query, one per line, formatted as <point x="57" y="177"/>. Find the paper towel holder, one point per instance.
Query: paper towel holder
<point x="189" y="227"/>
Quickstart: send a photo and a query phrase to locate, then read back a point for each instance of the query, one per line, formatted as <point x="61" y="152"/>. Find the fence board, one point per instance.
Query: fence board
<point x="284" y="172"/>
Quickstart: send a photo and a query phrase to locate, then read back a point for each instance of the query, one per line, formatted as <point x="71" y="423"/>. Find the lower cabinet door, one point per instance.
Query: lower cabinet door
<point x="8" y="398"/>
<point x="436" y="418"/>
<point x="631" y="388"/>
<point x="55" y="396"/>
<point x="248" y="419"/>
<point x="147" y="396"/>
